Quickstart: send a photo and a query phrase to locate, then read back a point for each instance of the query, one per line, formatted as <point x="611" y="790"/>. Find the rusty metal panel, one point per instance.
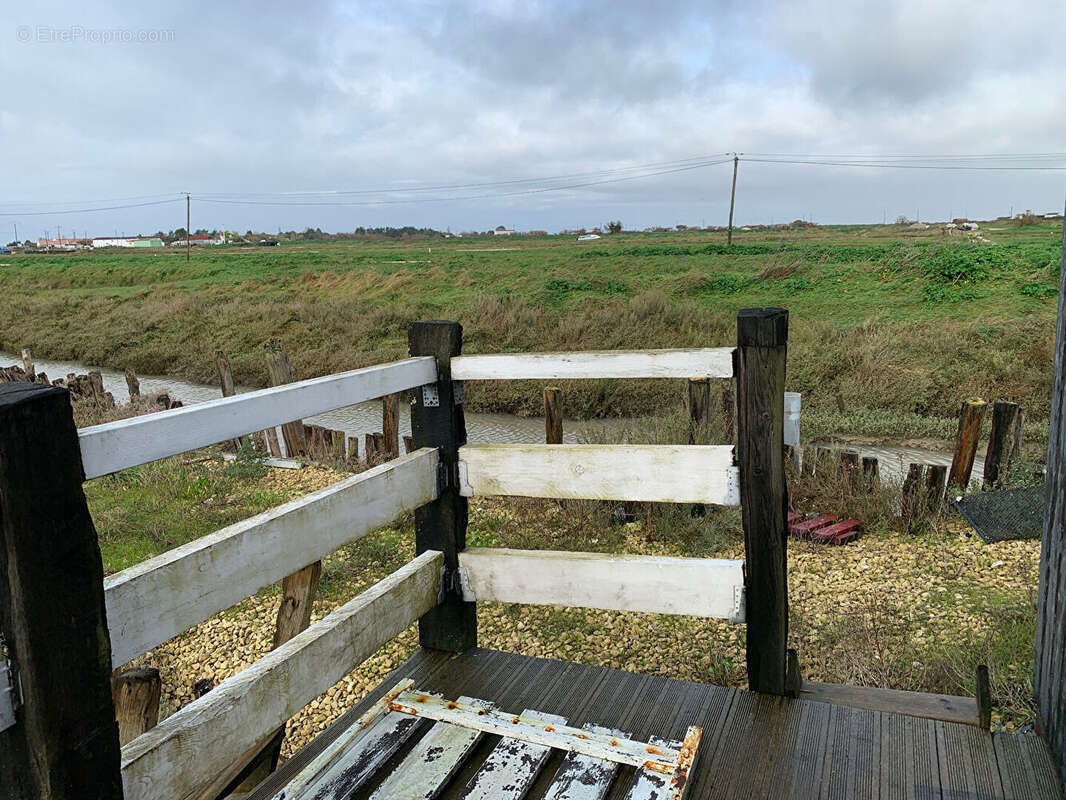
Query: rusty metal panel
<point x="512" y="766"/>
<point x="582" y="777"/>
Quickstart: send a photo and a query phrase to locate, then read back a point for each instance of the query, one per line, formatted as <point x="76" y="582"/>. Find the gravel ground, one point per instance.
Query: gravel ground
<point x="879" y="611"/>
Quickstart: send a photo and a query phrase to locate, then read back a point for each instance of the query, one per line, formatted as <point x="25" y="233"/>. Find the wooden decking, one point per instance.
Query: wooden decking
<point x="754" y="746"/>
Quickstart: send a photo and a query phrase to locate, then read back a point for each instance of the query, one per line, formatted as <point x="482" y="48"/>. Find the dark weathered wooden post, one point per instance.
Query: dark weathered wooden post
<point x="136" y="693"/>
<point x="133" y="386"/>
<point x="871" y="470"/>
<point x="1004" y="442"/>
<point x="936" y="478"/>
<point x="437" y="421"/>
<point x="970" y="416"/>
<point x="699" y="409"/>
<point x="553" y="416"/>
<point x="281" y="372"/>
<point x="909" y="491"/>
<point x="762" y="339"/>
<point x="1049" y="667"/>
<point x="390" y="424"/>
<point x="64" y="743"/>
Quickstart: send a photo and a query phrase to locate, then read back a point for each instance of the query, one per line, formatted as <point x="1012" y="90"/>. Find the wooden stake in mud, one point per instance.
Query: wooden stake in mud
<point x="353" y="448"/>
<point x="281" y="372"/>
<point x="762" y="339"/>
<point x="553" y="416"/>
<point x="936" y="478"/>
<point x="27" y="363"/>
<point x="1005" y="441"/>
<point x="390" y="424"/>
<point x="910" y="489"/>
<point x="136" y="693"/>
<point x="849" y="465"/>
<point x="225" y="379"/>
<point x="871" y="470"/>
<point x="132" y="384"/>
<point x="64" y="743"/>
<point x="699" y="409"/>
<point x="970" y="416"/>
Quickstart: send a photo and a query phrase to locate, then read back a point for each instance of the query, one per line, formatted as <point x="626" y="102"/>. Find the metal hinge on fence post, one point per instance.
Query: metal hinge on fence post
<point x="430" y="396"/>
<point x="10" y="696"/>
<point x="459" y="394"/>
<point x="738" y="612"/>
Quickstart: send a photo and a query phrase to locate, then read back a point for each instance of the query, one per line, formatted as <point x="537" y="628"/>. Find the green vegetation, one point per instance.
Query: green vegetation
<point x="885" y="322"/>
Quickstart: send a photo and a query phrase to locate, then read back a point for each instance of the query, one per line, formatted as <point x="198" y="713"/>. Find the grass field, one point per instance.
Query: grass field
<point x="895" y="326"/>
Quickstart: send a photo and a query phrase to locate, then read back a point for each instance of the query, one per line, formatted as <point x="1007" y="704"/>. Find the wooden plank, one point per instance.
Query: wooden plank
<point x="699" y="410"/>
<point x="582" y="777"/>
<point x="662" y="473"/>
<point x="437" y="420"/>
<point x="967" y="761"/>
<point x="157" y="599"/>
<point x="908" y="759"/>
<point x="353" y="758"/>
<point x="64" y="743"/>
<point x="1025" y="767"/>
<point x="947" y="708"/>
<point x="852" y="755"/>
<point x="648" y="784"/>
<point x="707" y="362"/>
<point x="138" y="440"/>
<point x="762" y="339"/>
<point x="432" y="762"/>
<point x="702" y="587"/>
<point x="512" y="766"/>
<point x="797" y="769"/>
<point x="189" y="748"/>
<point x="562" y="737"/>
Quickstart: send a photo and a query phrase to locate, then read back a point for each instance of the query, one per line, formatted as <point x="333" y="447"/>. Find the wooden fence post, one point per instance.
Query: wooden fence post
<point x="281" y="372"/>
<point x="437" y="421"/>
<point x="762" y="339"/>
<point x="871" y="470"/>
<point x="64" y="744"/>
<point x="970" y="416"/>
<point x="390" y="424"/>
<point x="229" y="388"/>
<point x="910" y="489"/>
<point x="553" y="416"/>
<point x="27" y="363"/>
<point x="1005" y="441"/>
<point x="132" y="384"/>
<point x="729" y="409"/>
<point x="936" y="478"/>
<point x="136" y="693"/>
<point x="1049" y="665"/>
<point x="699" y="409"/>
<point x="849" y="465"/>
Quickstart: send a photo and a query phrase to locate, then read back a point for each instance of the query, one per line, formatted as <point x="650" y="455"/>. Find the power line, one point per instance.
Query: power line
<point x="85" y="210"/>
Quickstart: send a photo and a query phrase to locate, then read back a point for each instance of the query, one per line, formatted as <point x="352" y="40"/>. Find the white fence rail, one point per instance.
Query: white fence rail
<point x="708" y="362"/>
<point x="126" y="443"/>
<point x="198" y="742"/>
<point x="157" y="599"/>
<point x="661" y="473"/>
<point x="699" y="587"/>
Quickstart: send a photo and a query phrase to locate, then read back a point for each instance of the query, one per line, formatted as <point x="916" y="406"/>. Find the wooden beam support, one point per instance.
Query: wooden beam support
<point x="64" y="743"/>
<point x="553" y="416"/>
<point x="280" y="372"/>
<point x="437" y="420"/>
<point x="390" y="424"/>
<point x="699" y="410"/>
<point x="762" y="343"/>
<point x="136" y="693"/>
<point x="1004" y="442"/>
<point x="966" y="438"/>
<point x="1049" y="667"/>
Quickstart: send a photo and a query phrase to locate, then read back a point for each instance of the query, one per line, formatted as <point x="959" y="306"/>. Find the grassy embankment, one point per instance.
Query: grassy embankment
<point x="895" y="326"/>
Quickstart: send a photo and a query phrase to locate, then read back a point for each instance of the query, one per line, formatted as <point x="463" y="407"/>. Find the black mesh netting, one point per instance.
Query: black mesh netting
<point x="1008" y="514"/>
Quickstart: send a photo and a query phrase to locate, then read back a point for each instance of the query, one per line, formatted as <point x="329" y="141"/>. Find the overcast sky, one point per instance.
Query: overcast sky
<point x="255" y="98"/>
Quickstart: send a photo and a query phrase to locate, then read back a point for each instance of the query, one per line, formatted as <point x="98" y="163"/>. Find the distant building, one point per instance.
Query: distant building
<point x="63" y="244"/>
<point x="588" y="236"/>
<point x="199" y="239"/>
<point x="538" y="233"/>
<point x="149" y="241"/>
<point x="502" y="231"/>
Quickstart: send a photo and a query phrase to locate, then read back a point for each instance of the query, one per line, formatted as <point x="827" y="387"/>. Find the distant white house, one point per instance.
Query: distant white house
<point x="502" y="231"/>
<point x="200" y="239"/>
<point x="588" y="236"/>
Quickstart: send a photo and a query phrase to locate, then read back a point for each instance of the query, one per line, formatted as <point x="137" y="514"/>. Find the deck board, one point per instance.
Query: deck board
<point x="753" y="746"/>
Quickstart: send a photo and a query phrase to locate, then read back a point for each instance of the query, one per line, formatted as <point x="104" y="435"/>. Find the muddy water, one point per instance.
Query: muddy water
<point x="364" y="418"/>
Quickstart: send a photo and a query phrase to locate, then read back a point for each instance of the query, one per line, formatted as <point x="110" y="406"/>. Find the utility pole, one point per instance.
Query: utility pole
<point x="732" y="198"/>
<point x="188" y="229"/>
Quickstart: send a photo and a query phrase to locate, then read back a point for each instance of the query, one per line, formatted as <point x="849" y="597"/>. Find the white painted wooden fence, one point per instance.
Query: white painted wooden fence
<point x="708" y="362"/>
